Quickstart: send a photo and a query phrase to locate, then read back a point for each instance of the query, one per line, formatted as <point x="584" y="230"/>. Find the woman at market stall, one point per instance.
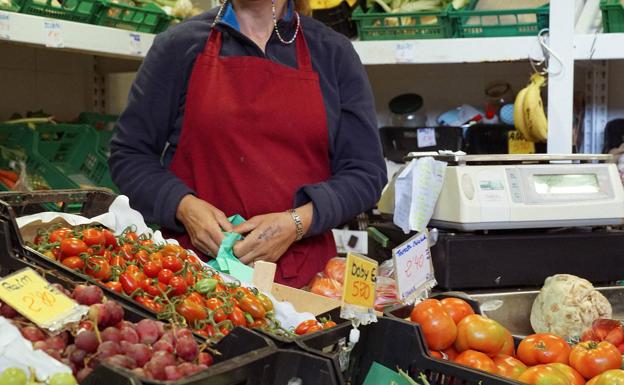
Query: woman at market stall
<point x="257" y="110"/>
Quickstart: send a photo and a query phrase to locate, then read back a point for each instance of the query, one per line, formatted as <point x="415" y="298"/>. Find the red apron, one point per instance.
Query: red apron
<point x="254" y="132"/>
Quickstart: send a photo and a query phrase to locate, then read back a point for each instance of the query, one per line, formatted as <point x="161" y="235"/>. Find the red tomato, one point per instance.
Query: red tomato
<point x="178" y="285"/>
<point x="149" y="303"/>
<point x="153" y="290"/>
<point x="314" y="329"/>
<point x="71" y="247"/>
<point x="114" y="286"/>
<point x="438" y="327"/>
<point x="131" y="235"/>
<point x="164" y="276"/>
<point x="574" y="377"/>
<point x="172" y="263"/>
<point x="98" y="268"/>
<point x="118" y="261"/>
<point x="476" y="360"/>
<point x="237" y="317"/>
<point x="74" y="263"/>
<point x="543" y="348"/>
<point x="60" y="234"/>
<point x="191" y="311"/>
<point x="142" y="256"/>
<point x="610" y="377"/>
<point x="129" y="284"/>
<point x="93" y="237"/>
<point x="259" y="324"/>
<point x="151" y="269"/>
<point x="174" y="250"/>
<point x="214" y="304"/>
<point x="128" y="252"/>
<point x="190" y="278"/>
<point x="196" y="297"/>
<point x="305" y="326"/>
<point x="543" y="375"/>
<point x="592" y="358"/>
<point x="210" y="331"/>
<point x="457" y="308"/>
<point x="328" y="324"/>
<point x="253" y="306"/>
<point x="482" y="334"/>
<point x="109" y="239"/>
<point x="132" y="269"/>
<point x="509" y="347"/>
<point x="335" y="269"/>
<point x="509" y="367"/>
<point x="436" y="354"/>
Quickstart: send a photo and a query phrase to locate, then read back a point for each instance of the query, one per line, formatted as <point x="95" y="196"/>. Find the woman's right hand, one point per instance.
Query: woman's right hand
<point x="203" y="222"/>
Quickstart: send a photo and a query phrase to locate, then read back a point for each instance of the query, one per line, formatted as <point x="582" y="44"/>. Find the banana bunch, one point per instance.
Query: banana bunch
<point x="529" y="116"/>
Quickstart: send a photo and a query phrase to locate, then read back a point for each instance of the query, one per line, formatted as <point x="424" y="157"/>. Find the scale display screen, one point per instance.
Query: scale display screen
<point x="566" y="183"/>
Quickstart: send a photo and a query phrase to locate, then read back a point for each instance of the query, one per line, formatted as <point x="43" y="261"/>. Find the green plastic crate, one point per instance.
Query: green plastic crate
<point x="82" y="11"/>
<point x="104" y="125"/>
<point x="499" y="23"/>
<point x="375" y="24"/>
<point x="612" y="15"/>
<point x="149" y="18"/>
<point x="13" y="6"/>
<point x="74" y="150"/>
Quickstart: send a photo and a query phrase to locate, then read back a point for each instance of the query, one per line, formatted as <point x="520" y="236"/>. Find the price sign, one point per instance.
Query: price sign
<point x="5" y="26"/>
<point x="426" y="137"/>
<point x="405" y="52"/>
<point x="517" y="144"/>
<point x="53" y="36"/>
<point x="35" y="298"/>
<point x="413" y="266"/>
<point x="360" y="278"/>
<point x="135" y="44"/>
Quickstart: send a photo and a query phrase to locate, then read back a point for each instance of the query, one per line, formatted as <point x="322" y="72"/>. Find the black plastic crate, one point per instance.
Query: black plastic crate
<point x="399" y="141"/>
<point x="268" y="366"/>
<point x="338" y="18"/>
<point x="393" y="343"/>
<point x="492" y="139"/>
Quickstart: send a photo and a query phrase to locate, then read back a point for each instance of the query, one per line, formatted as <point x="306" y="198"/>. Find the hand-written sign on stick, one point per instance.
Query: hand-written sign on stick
<point x="413" y="267"/>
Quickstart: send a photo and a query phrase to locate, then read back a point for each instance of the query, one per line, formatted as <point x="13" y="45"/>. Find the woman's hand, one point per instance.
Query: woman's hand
<point x="203" y="222"/>
<point x="268" y="236"/>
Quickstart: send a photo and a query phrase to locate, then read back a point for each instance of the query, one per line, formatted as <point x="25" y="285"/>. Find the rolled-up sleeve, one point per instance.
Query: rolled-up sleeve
<point x="142" y="133"/>
<point x="358" y="167"/>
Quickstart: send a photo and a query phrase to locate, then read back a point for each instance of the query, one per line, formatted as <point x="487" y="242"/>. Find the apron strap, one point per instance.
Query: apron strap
<point x="213" y="48"/>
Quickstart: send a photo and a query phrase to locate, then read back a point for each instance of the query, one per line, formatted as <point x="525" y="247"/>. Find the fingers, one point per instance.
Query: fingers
<point x="246" y="227"/>
<point x="223" y="221"/>
<point x="249" y="257"/>
<point x="244" y="247"/>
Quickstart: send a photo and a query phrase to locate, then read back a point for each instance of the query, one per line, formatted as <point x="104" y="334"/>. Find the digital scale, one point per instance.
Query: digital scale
<point x="513" y="220"/>
<point x="490" y="192"/>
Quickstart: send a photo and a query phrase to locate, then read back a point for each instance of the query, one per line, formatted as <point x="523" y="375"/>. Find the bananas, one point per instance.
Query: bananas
<point x="529" y="116"/>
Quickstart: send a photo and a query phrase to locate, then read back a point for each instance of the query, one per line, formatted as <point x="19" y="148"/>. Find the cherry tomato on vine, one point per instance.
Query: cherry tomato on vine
<point x="191" y="311"/>
<point x="93" y="237"/>
<point x="305" y="326"/>
<point x="98" y="268"/>
<point x="74" y="263"/>
<point x="164" y="276"/>
<point x="149" y="303"/>
<point x="172" y="263"/>
<point x="118" y="261"/>
<point x="259" y="324"/>
<point x="178" y="285"/>
<point x="237" y="316"/>
<point x="131" y="235"/>
<point x="128" y="252"/>
<point x="142" y="256"/>
<point x="215" y="304"/>
<point x="60" y="234"/>
<point x="128" y="283"/>
<point x="151" y="269"/>
<point x="109" y="239"/>
<point x="114" y="286"/>
<point x="196" y="298"/>
<point x="253" y="306"/>
<point x="71" y="247"/>
<point x="328" y="324"/>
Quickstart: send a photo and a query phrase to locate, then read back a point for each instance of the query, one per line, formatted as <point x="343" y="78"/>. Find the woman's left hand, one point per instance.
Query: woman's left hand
<point x="267" y="237"/>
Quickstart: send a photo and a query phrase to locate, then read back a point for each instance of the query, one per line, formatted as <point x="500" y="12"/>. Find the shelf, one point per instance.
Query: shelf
<point x="71" y="36"/>
<point x="482" y="50"/>
<point x="606" y="46"/>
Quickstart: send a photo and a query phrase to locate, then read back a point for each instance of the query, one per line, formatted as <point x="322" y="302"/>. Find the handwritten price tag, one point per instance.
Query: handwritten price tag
<point x="135" y="44"/>
<point x="405" y="52"/>
<point x="426" y="137"/>
<point x="35" y="298"/>
<point x="360" y="278"/>
<point x="53" y="34"/>
<point x="413" y="266"/>
<point x="517" y="144"/>
<point x="5" y="26"/>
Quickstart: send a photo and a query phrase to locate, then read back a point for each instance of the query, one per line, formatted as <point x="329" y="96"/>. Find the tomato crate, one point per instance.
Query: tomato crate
<point x="470" y="22"/>
<point x="612" y="15"/>
<point x="149" y="18"/>
<point x="82" y="11"/>
<point x="375" y="24"/>
<point x="378" y="343"/>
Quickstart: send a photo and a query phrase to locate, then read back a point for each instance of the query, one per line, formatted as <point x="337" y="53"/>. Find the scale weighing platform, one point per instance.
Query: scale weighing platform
<point x="513" y="220"/>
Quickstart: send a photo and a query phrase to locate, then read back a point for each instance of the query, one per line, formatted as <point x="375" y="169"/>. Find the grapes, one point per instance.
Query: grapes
<point x="57" y="343"/>
<point x="148" y="331"/>
<point x="108" y="349"/>
<point x="140" y="353"/>
<point x="139" y="372"/>
<point x="115" y="312"/>
<point x="172" y="373"/>
<point x="88" y="295"/>
<point x="163" y="358"/>
<point x="168" y="337"/>
<point x="164" y="346"/>
<point x="83" y="373"/>
<point x="184" y="333"/>
<point x="78" y="357"/>
<point x="161" y="328"/>
<point x="7" y="311"/>
<point x="205" y="359"/>
<point x="111" y="334"/>
<point x="60" y="288"/>
<point x="121" y="360"/>
<point x="100" y="313"/>
<point x="186" y="348"/>
<point x="32" y="333"/>
<point x="71" y="365"/>
<point x="13" y="376"/>
<point x="187" y="368"/>
<point x="62" y="379"/>
<point x="40" y="345"/>
<point x="129" y="334"/>
<point x="125" y="346"/>
<point x="154" y="370"/>
<point x="87" y="341"/>
<point x="53" y="353"/>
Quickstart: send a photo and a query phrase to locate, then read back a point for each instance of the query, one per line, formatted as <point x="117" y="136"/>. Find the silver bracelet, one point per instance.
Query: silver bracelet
<point x="298" y="223"/>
